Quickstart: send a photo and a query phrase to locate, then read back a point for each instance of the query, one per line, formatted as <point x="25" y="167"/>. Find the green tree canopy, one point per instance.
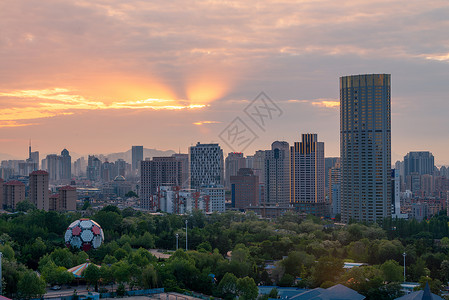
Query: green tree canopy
<point x="92" y="275"/>
<point x="392" y="271"/>
<point x="25" y="205"/>
<point x="247" y="288"/>
<point x="31" y="286"/>
<point x="228" y="286"/>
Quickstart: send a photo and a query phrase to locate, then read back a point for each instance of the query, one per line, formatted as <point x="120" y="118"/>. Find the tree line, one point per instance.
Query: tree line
<point x="228" y="253"/>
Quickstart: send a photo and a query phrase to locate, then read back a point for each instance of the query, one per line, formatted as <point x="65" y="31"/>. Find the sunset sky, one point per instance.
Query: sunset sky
<point x="99" y="76"/>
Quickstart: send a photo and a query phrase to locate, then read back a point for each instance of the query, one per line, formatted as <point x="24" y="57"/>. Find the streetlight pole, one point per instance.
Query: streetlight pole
<point x="186" y="235"/>
<point x="177" y="237"/>
<point x="404" y="254"/>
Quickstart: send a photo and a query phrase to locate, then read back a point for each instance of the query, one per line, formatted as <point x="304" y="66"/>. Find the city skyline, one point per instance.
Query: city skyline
<point x="73" y="73"/>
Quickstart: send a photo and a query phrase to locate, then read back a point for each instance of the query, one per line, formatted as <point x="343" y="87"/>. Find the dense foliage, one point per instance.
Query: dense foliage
<point x="229" y="253"/>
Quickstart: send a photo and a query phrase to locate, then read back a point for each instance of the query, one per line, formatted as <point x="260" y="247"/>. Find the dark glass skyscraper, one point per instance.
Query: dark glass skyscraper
<point x="136" y="157"/>
<point x="365" y="147"/>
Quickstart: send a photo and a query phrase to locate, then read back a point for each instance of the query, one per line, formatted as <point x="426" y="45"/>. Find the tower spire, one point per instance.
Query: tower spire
<point x="29" y="150"/>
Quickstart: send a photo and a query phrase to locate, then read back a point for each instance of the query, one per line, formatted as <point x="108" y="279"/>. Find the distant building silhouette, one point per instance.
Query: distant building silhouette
<point x="136" y="157"/>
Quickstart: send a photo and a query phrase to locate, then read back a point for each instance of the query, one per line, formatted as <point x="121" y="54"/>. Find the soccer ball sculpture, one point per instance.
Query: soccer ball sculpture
<point x="84" y="234"/>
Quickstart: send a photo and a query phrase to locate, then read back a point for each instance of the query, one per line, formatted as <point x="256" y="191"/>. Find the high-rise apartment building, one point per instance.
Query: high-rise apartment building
<point x="53" y="166"/>
<point x="59" y="167"/>
<point x="136" y="157"/>
<point x="259" y="165"/>
<point x="13" y="193"/>
<point x="184" y="159"/>
<point x="93" y="170"/>
<point x="419" y="162"/>
<point x="39" y="189"/>
<point x="334" y="176"/>
<point x="160" y="171"/>
<point x="64" y="200"/>
<point x="206" y="165"/>
<point x="307" y="175"/>
<point x="121" y="166"/>
<point x="416" y="165"/>
<point x="1" y="193"/>
<point x="67" y="198"/>
<point x="234" y="161"/>
<point x="277" y="175"/>
<point x="329" y="162"/>
<point x="216" y="197"/>
<point x="79" y="167"/>
<point x="365" y="147"/>
<point x="244" y="189"/>
<point x="447" y="203"/>
<point x="396" y="195"/>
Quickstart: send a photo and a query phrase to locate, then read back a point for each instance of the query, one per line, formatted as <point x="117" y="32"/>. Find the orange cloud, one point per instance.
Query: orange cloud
<point x="46" y="103"/>
<point x="327" y="103"/>
<point x="439" y="57"/>
<point x="14" y="124"/>
<point x="199" y="123"/>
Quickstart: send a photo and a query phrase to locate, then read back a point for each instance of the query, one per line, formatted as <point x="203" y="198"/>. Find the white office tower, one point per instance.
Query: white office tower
<point x="206" y="165"/>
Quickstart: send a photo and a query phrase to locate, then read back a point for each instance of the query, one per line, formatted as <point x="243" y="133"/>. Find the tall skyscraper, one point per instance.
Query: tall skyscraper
<point x="39" y="189"/>
<point x="365" y="147"/>
<point x="307" y="175"/>
<point x="234" y="161"/>
<point x="277" y="175"/>
<point x="137" y="157"/>
<point x="206" y="165"/>
<point x="66" y="165"/>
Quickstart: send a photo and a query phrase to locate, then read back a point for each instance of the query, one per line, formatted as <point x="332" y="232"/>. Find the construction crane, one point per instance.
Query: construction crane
<point x="206" y="200"/>
<point x="178" y="200"/>
<point x="196" y="197"/>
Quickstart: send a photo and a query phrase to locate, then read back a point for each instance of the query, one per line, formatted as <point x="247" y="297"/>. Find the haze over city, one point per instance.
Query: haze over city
<point x="100" y="76"/>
